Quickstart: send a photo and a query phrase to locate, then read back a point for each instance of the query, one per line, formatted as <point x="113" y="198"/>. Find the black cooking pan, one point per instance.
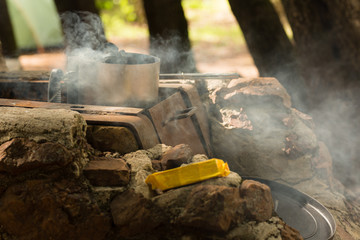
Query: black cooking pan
<point x="300" y="211"/>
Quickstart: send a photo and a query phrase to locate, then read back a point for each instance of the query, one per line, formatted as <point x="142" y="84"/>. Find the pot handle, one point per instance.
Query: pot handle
<point x="187" y="112"/>
<point x="54" y="86"/>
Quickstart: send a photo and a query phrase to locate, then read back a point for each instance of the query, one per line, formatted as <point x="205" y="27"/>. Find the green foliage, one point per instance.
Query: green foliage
<point x="104" y="4"/>
<point x="122" y="10"/>
<point x="207" y="24"/>
<point x="217" y="34"/>
<point x="192" y="4"/>
<point x="126" y="18"/>
<point x="122" y="17"/>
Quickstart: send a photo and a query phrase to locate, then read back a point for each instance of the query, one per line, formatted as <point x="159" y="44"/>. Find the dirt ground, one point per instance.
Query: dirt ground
<point x="209" y="58"/>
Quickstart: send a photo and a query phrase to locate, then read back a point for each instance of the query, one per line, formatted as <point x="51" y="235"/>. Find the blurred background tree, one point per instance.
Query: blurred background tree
<point x="7" y="37"/>
<point x="167" y="26"/>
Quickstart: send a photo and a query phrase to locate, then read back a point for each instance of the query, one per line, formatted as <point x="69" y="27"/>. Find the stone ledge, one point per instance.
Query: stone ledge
<point x="62" y="126"/>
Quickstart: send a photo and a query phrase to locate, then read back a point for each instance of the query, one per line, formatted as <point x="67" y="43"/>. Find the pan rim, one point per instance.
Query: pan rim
<point x="304" y="200"/>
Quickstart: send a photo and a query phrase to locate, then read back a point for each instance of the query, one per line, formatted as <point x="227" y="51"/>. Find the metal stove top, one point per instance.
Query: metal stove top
<point x="178" y="117"/>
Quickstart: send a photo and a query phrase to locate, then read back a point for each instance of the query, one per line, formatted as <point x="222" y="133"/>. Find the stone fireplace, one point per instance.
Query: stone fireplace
<point x="63" y="176"/>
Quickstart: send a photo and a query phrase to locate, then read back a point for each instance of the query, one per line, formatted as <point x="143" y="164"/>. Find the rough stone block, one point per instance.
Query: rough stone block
<point x="138" y="160"/>
<point x="254" y="91"/>
<point x="40" y="209"/>
<point x="107" y="172"/>
<point x="176" y="156"/>
<point x="42" y="125"/>
<point x="156" y="164"/>
<point x="258" y="201"/>
<point x="212" y="207"/>
<point x="113" y="139"/>
<point x="19" y="155"/>
<point x="133" y="214"/>
<point x="156" y="152"/>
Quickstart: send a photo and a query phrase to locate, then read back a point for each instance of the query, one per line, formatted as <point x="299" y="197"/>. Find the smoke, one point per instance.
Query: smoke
<point x="337" y="118"/>
<point x="175" y="54"/>
<point x="335" y="111"/>
<point x="82" y="30"/>
<point x="337" y="121"/>
<point x="85" y="38"/>
<point x="103" y="74"/>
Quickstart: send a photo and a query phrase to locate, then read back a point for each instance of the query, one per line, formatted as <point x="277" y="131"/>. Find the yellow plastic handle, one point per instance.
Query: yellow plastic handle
<point x="188" y="174"/>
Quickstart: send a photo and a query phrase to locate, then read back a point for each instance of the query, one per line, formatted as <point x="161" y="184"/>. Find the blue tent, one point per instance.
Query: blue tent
<point x="36" y="23"/>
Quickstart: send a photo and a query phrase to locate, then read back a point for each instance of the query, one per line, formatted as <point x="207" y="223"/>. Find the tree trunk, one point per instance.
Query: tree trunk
<point x="2" y="61"/>
<point x="169" y="38"/>
<point x="7" y="36"/>
<point x="327" y="37"/>
<point x="269" y="45"/>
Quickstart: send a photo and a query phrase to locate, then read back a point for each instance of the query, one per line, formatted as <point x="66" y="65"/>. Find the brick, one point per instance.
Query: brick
<point x="107" y="171"/>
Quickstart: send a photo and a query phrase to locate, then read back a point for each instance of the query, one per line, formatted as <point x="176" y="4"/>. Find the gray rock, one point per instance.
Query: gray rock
<point x="258" y="133"/>
<point x="199" y="158"/>
<point x="112" y="138"/>
<point x="297" y="170"/>
<point x="156" y="152"/>
<point x="253" y="91"/>
<point x="139" y="160"/>
<point x="176" y="156"/>
<point x="231" y="180"/>
<point x="279" y="144"/>
<point x="138" y="183"/>
<point x="141" y="167"/>
<point x="272" y="229"/>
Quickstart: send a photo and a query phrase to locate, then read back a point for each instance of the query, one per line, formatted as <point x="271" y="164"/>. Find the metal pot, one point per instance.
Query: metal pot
<point x="134" y="83"/>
